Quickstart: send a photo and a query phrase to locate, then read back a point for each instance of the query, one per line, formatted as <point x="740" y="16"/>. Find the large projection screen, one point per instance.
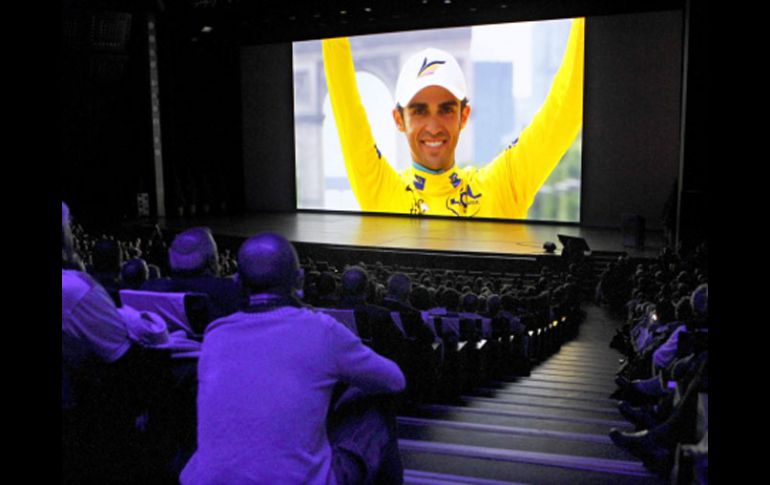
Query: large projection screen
<point x="518" y="155"/>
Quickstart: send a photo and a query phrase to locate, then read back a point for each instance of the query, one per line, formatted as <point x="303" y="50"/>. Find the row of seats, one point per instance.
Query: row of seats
<point x="463" y="353"/>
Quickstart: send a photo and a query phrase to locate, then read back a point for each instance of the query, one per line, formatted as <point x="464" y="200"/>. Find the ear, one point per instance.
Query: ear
<point x="299" y="282"/>
<point x="464" y="115"/>
<point x="399" y="120"/>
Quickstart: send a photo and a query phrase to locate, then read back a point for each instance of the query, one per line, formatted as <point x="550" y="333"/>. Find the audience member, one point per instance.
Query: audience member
<point x="266" y="376"/>
<point x="106" y="261"/>
<point x="134" y="273"/>
<point x="326" y="290"/>
<point x="108" y="381"/>
<point x="664" y="418"/>
<point x="387" y="339"/>
<point x="193" y="259"/>
<point x="398" y="299"/>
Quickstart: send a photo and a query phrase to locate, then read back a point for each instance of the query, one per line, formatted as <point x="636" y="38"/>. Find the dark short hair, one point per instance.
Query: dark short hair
<point x="106" y="256"/>
<point x="135" y="272"/>
<point x="470" y="302"/>
<point x="354" y="281"/>
<point x="399" y="285"/>
<point x="450" y="299"/>
<point x="326" y="284"/>
<point x="420" y="298"/>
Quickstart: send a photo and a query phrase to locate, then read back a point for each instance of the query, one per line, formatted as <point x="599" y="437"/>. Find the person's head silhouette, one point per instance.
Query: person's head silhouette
<point x="268" y="263"/>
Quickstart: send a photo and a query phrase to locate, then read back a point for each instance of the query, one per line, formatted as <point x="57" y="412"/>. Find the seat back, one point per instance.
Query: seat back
<point x="396" y="316"/>
<point x="345" y="317"/>
<point x="364" y="326"/>
<point x="181" y="311"/>
<point x="486" y="328"/>
<point x="450" y="327"/>
<point x="469" y="329"/>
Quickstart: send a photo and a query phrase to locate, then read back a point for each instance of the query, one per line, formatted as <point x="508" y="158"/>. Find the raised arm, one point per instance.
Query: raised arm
<point x="527" y="164"/>
<point x="370" y="175"/>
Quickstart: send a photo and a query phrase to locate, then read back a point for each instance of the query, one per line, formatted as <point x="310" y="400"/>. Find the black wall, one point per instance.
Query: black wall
<point x="631" y="123"/>
<point x="268" y="128"/>
<point x="105" y="149"/>
<point x="200" y="106"/>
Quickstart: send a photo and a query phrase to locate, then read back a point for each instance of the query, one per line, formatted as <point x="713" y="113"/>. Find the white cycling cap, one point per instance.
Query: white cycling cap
<point x="429" y="67"/>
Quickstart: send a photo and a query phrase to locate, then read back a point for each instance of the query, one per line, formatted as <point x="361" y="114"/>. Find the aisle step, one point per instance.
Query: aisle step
<point x="572" y="463"/>
<point x="562" y="383"/>
<point x="418" y="477"/>
<point x="543" y="404"/>
<point x="560" y="388"/>
<point x="550" y="427"/>
<point x="537" y="397"/>
<point x="524" y="431"/>
<point x="503" y="417"/>
<point x="562" y="393"/>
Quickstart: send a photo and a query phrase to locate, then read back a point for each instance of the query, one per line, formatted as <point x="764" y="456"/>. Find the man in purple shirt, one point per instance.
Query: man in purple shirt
<point x="266" y="376"/>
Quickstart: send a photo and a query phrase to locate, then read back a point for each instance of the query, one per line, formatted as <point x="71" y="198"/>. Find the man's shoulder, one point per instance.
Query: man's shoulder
<point x="76" y="278"/>
<point x="75" y="284"/>
<point x="294" y="315"/>
<point x="382" y="311"/>
<point x="401" y="307"/>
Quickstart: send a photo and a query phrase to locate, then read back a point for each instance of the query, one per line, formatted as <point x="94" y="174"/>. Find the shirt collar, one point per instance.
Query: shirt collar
<point x="441" y="181"/>
<point x="425" y="169"/>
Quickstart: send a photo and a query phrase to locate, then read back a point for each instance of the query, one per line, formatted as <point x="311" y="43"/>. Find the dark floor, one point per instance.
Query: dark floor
<point x="549" y="428"/>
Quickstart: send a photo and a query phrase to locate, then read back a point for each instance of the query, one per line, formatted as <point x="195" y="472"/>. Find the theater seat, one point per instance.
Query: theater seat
<point x="345" y="317"/>
<point x="396" y="316"/>
<point x="100" y="435"/>
<point x="181" y="311"/>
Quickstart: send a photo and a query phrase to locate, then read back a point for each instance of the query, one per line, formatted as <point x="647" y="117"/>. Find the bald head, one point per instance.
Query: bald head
<point x="194" y="251"/>
<point x="267" y="262"/>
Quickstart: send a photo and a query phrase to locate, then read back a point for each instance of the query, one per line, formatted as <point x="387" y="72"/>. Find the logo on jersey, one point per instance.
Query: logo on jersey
<point x="467" y="199"/>
<point x="419" y="182"/>
<point x="455" y="179"/>
<point x="419" y="206"/>
<point x="429" y="68"/>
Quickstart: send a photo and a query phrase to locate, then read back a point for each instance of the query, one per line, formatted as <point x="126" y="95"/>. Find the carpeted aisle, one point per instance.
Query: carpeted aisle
<point x="548" y="428"/>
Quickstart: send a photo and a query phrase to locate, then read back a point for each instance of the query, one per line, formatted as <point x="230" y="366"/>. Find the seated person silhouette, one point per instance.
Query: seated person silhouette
<point x="134" y="273"/>
<point x="397" y="299"/>
<point x="194" y="263"/>
<point x="107" y="381"/>
<point x="107" y="259"/>
<point x="266" y="376"/>
<point x="387" y="339"/>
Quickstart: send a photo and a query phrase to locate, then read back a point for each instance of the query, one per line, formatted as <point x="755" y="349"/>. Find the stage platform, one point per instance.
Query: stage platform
<point x="404" y="234"/>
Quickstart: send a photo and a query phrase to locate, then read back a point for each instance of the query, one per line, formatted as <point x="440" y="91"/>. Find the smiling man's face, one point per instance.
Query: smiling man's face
<point x="432" y="122"/>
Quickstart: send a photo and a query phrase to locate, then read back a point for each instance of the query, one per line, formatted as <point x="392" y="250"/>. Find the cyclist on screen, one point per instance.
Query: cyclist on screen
<point x="431" y="110"/>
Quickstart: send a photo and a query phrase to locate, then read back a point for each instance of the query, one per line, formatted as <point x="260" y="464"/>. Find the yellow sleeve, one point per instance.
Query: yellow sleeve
<point x="520" y="170"/>
<point x="373" y="180"/>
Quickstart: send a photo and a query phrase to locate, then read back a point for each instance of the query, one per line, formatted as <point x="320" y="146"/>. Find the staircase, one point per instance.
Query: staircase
<point x="547" y="428"/>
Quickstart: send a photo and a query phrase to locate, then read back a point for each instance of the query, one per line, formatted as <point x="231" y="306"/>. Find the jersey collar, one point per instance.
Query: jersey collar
<point x="435" y="181"/>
